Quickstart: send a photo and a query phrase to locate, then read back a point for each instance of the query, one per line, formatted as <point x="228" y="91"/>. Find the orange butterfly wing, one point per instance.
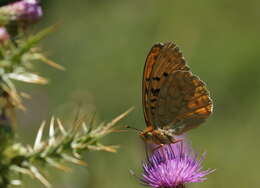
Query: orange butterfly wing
<point x="172" y="96"/>
<point x="149" y="63"/>
<point x="183" y="103"/>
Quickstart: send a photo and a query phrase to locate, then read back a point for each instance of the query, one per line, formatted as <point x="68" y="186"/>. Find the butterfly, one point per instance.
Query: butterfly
<point x="174" y="100"/>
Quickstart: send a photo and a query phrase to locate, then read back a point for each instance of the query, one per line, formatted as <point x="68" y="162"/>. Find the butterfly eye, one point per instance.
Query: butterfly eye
<point x="149" y="134"/>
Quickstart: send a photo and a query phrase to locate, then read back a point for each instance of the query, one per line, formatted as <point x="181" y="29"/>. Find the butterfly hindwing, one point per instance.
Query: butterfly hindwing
<point x="183" y="102"/>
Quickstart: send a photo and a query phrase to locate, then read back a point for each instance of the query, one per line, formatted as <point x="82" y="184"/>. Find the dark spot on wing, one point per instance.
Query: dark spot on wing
<point x="165" y="74"/>
<point x="153" y="100"/>
<point x="155" y="92"/>
<point x="156" y="78"/>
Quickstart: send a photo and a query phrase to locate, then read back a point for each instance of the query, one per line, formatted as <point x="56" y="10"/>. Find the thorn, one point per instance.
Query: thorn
<point x="51" y="63"/>
<point x="52" y="132"/>
<point x="37" y="143"/>
<point x="79" y="122"/>
<point x="21" y="170"/>
<point x="39" y="176"/>
<point x="74" y="160"/>
<point x="112" y="148"/>
<point x="58" y="165"/>
<point x="29" y="148"/>
<point x="25" y="95"/>
<point x="16" y="182"/>
<point x="84" y="126"/>
<point x="77" y="155"/>
<point x="118" y="118"/>
<point x="63" y="131"/>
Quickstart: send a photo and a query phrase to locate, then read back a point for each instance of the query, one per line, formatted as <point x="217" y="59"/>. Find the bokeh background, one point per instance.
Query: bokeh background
<point x="103" y="45"/>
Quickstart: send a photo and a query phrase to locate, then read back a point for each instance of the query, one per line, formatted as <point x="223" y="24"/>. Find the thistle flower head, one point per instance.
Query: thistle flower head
<point x="4" y="36"/>
<point x="24" y="10"/>
<point x="172" y="166"/>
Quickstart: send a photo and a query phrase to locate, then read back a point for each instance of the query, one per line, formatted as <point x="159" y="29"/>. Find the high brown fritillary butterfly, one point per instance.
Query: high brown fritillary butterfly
<point x="174" y="99"/>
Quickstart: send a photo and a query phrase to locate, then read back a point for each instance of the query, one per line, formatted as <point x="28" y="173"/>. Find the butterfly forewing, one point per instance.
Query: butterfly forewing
<point x="172" y="96"/>
<point x="162" y="60"/>
<point x="149" y="63"/>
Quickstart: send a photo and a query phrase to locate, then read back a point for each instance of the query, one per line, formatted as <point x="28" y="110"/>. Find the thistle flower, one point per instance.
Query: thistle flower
<point x="4" y="36"/>
<point x="172" y="166"/>
<point x="24" y="10"/>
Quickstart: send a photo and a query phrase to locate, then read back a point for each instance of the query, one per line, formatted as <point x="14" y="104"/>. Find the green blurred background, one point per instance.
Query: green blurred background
<point x="103" y="45"/>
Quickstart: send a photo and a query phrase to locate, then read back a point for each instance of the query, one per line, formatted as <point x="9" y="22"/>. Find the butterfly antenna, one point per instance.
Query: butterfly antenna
<point x="118" y="130"/>
<point x="133" y="128"/>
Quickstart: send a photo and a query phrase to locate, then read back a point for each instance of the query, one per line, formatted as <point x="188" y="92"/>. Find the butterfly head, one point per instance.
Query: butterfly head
<point x="149" y="138"/>
<point x="147" y="135"/>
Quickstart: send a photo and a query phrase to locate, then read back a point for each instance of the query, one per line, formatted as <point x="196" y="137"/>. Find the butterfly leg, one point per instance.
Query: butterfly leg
<point x="162" y="150"/>
<point x="158" y="147"/>
<point x="173" y="141"/>
<point x="176" y="141"/>
<point x="146" y="150"/>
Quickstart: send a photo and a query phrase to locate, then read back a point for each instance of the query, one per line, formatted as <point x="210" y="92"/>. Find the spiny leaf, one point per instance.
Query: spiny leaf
<point x="28" y="77"/>
<point x="31" y="42"/>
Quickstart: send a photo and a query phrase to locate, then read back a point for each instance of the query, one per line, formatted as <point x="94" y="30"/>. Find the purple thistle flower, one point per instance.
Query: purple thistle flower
<point x="24" y="10"/>
<point x="4" y="36"/>
<point x="172" y="166"/>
